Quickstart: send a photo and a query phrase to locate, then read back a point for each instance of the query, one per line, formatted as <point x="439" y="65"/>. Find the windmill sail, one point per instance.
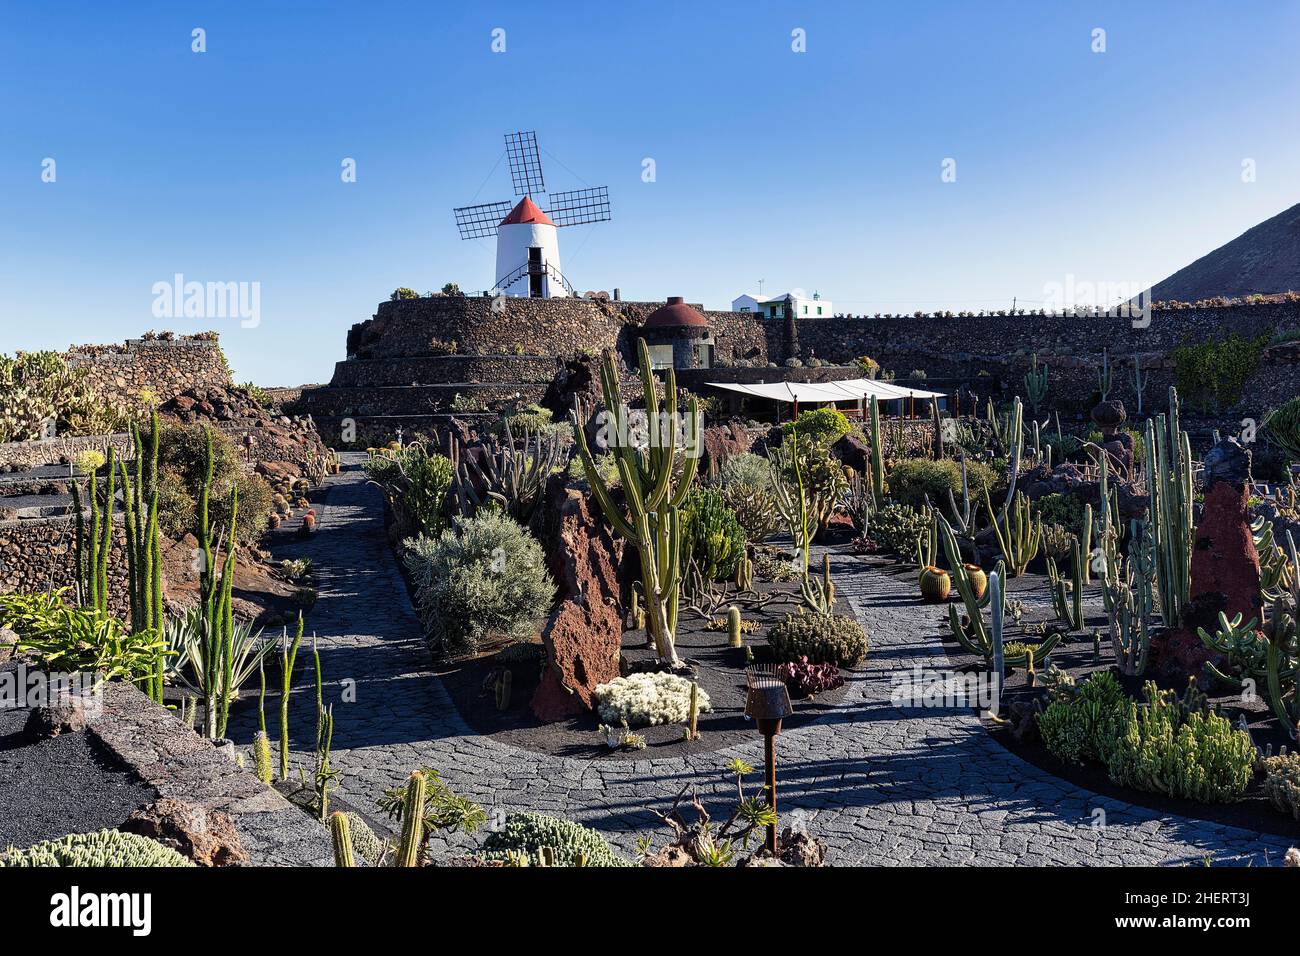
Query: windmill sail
<point x="478" y="222"/>
<point x="525" y="163"/>
<point x="579" y="206"/>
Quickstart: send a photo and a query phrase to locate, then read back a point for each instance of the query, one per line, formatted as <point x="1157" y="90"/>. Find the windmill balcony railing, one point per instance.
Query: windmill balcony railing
<point x="529" y="268"/>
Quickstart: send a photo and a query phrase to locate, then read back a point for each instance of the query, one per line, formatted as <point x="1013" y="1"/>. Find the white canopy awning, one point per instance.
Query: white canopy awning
<point x="856" y="389"/>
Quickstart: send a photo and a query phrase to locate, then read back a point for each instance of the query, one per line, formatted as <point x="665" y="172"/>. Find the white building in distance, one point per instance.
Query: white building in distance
<point x="774" y="307"/>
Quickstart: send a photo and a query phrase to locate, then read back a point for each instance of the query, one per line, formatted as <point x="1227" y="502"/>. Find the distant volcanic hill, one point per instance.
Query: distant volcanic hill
<point x="1264" y="259"/>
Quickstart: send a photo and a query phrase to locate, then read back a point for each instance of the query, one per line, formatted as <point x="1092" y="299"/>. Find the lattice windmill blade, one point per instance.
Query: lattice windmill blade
<point x="525" y="163"/>
<point x="479" y="222"/>
<point x="579" y="206"/>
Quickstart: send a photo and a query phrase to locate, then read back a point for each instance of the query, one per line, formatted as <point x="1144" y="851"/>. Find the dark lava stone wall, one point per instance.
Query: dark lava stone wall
<point x="36" y="555"/>
<point x="121" y="373"/>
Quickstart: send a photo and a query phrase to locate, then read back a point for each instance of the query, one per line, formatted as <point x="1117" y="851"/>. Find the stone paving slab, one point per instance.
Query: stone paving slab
<point x="881" y="784"/>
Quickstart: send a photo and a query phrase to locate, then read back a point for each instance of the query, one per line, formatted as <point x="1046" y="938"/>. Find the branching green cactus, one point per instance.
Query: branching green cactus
<point x="653" y="491"/>
<point x="1019" y="533"/>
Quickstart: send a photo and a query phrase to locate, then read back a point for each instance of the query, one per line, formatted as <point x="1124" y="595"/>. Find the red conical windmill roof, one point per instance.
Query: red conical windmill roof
<point x="526" y="211"/>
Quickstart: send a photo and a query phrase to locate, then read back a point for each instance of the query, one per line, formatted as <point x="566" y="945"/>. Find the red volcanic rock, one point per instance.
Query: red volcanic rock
<point x="208" y="837"/>
<point x="1225" y="577"/>
<point x="1225" y="564"/>
<point x="584" y="634"/>
<point x="722" y="442"/>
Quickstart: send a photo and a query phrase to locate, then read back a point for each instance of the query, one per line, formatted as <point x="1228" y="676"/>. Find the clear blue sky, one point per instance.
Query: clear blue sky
<point x="818" y="170"/>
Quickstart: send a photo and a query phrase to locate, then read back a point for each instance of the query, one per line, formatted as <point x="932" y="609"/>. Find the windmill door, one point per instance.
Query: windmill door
<point x="536" y="271"/>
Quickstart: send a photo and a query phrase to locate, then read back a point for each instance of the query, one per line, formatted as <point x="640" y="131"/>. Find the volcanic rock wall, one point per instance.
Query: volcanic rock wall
<point x="417" y="362"/>
<point x="164" y="367"/>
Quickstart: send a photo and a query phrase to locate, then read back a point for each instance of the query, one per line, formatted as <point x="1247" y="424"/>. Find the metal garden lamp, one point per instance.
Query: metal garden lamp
<point x="768" y="702"/>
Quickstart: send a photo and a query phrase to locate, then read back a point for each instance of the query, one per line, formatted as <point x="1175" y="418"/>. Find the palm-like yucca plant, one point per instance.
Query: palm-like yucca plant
<point x="184" y="633"/>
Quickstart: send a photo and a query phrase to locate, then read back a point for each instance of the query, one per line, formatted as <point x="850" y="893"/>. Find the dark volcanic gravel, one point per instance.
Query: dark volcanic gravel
<point x="60" y="786"/>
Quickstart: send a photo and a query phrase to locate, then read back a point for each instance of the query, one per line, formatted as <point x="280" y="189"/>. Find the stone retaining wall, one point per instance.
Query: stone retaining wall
<point x="37" y="556"/>
<point x="122" y="373"/>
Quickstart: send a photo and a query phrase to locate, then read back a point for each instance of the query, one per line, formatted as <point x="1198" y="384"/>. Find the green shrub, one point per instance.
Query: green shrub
<point x="895" y="528"/>
<point x="711" y="535"/>
<point x="1061" y="509"/>
<point x="1213" y="374"/>
<point x="530" y="833"/>
<point x="258" y="394"/>
<point x="78" y="640"/>
<point x="486" y="579"/>
<point x="181" y="456"/>
<point x="1283" y="427"/>
<point x="821" y="426"/>
<point x="1196" y="756"/>
<point x="532" y="419"/>
<point x="1073" y="727"/>
<point x="105" y="849"/>
<point x="911" y="479"/>
<point x="403" y="293"/>
<point x="746" y="469"/>
<point x="1282" y="783"/>
<point x="416" y="485"/>
<point x="822" y="638"/>
<point x="867" y="366"/>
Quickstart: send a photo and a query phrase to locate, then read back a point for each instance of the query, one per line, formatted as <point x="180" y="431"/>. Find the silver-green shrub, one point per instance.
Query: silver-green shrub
<point x="485" y="579"/>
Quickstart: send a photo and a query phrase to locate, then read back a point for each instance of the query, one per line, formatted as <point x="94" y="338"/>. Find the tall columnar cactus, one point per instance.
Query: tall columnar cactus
<point x="877" y="454"/>
<point x="1085" y="543"/>
<point x="973" y="633"/>
<point x="341" y="834"/>
<point x="92" y="550"/>
<point x="408" y="851"/>
<point x="652" y="524"/>
<point x="288" y="657"/>
<point x="997" y="657"/>
<point x="1129" y="605"/>
<point x="215" y="594"/>
<point x="1036" y="384"/>
<point x="143" y="544"/>
<point x="1169" y="484"/>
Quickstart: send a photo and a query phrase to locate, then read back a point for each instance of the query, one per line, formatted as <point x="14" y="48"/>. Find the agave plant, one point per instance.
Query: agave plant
<point x="184" y="634"/>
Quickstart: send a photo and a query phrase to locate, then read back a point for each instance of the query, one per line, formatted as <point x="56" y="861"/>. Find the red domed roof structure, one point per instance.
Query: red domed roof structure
<point x="526" y="211"/>
<point x="676" y="314"/>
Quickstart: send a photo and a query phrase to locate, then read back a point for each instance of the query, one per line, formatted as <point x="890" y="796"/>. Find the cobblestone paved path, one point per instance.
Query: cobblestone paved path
<point x="881" y="785"/>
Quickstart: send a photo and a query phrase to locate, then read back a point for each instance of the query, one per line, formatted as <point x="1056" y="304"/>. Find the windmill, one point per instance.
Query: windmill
<point x="528" y="247"/>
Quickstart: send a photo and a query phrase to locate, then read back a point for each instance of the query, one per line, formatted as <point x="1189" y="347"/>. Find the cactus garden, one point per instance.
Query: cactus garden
<point x="381" y="490"/>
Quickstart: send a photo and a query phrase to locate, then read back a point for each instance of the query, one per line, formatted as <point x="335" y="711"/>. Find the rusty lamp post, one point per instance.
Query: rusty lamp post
<point x="768" y="701"/>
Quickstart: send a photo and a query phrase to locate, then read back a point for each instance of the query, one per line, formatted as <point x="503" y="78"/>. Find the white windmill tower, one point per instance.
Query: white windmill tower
<point x="528" y="245"/>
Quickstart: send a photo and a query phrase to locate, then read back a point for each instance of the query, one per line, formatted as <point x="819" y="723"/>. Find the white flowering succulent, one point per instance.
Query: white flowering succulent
<point x="648" y="699"/>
